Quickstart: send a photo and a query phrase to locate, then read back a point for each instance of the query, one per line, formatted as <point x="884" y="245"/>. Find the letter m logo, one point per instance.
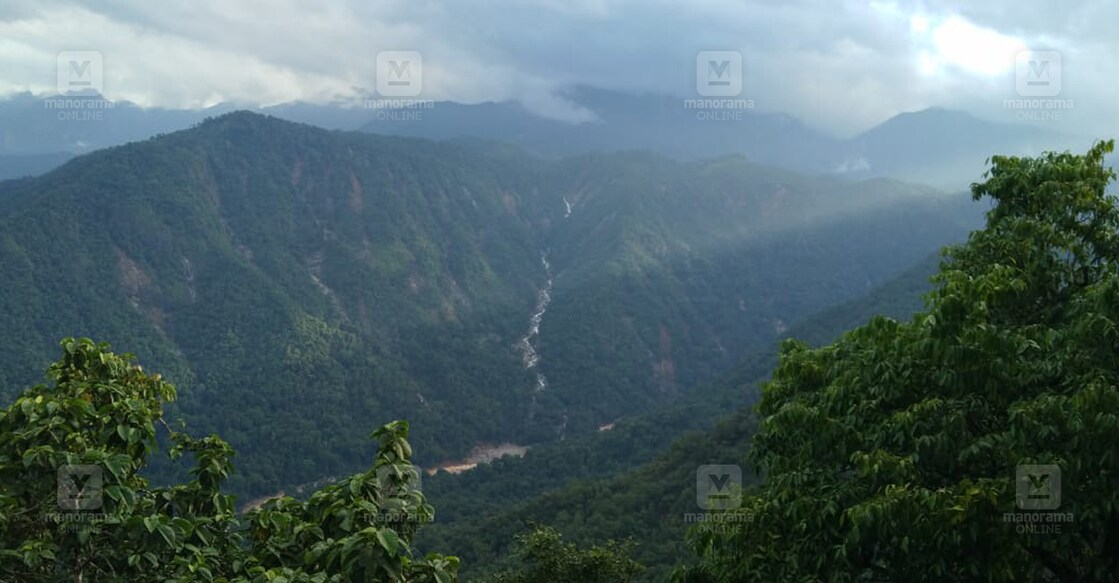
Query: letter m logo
<point x="399" y="73"/>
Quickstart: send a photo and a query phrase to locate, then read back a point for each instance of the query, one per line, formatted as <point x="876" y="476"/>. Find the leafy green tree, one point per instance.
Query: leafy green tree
<point x="547" y="559"/>
<point x="895" y="453"/>
<point x="73" y="505"/>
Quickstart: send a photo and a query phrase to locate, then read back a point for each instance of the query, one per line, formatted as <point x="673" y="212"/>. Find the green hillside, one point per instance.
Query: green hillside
<point x="280" y="272"/>
<point x="633" y="481"/>
<point x="970" y="440"/>
<point x="304" y="285"/>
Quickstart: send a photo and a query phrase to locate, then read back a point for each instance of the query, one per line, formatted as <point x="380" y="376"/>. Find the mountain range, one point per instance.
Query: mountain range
<point x="303" y="286"/>
<point x="938" y="147"/>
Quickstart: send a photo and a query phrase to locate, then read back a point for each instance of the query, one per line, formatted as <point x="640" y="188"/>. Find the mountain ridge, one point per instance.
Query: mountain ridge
<point x="622" y="121"/>
<point x="317" y="282"/>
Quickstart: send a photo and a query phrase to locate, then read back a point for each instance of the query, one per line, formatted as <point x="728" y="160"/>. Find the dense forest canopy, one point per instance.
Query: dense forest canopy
<point x="976" y="442"/>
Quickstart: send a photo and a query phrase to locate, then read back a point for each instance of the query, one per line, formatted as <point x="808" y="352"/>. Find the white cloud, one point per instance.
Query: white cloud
<point x="974" y="49"/>
<point x="839" y="65"/>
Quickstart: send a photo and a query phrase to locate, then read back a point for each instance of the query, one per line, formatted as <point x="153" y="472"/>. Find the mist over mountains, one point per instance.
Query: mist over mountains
<point x="942" y="148"/>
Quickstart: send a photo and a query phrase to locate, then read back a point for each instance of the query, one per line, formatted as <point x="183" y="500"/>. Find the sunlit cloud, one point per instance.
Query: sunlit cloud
<point x="841" y="67"/>
<point x="974" y="49"/>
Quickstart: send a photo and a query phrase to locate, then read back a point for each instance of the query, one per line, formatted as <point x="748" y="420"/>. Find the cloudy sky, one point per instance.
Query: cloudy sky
<point x="840" y="66"/>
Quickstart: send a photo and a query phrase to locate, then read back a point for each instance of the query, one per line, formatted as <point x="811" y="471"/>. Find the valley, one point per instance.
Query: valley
<point x="615" y="472"/>
<point x="297" y="301"/>
<point x="319" y="285"/>
<point x="558" y="292"/>
<point x="482" y="454"/>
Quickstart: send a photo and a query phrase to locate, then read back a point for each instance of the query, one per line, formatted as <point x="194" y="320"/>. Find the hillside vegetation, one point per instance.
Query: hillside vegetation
<point x="301" y="285"/>
<point x="971" y="441"/>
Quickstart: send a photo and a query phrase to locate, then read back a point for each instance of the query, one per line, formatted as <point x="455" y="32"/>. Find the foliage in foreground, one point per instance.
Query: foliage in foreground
<point x="898" y="452"/>
<point x="546" y="558"/>
<point x="73" y="505"/>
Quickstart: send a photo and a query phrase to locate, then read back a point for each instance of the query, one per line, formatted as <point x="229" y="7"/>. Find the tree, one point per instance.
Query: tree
<point x="547" y="559"/>
<point x="910" y="451"/>
<point x="74" y="506"/>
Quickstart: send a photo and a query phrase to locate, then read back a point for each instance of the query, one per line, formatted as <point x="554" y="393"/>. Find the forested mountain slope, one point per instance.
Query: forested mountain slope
<point x="304" y="286"/>
<point x="606" y="485"/>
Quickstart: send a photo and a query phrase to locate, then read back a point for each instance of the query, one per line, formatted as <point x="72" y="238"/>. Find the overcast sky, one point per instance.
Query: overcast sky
<point x="839" y="66"/>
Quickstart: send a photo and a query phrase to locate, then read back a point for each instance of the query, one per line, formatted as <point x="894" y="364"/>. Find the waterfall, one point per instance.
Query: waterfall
<point x="529" y="342"/>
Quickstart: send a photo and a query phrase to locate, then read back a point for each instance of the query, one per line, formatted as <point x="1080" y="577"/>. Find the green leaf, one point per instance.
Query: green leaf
<point x="389" y="541"/>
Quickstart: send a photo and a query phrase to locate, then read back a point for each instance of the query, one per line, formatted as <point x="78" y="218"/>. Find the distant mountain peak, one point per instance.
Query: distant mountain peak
<point x="934" y="116"/>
